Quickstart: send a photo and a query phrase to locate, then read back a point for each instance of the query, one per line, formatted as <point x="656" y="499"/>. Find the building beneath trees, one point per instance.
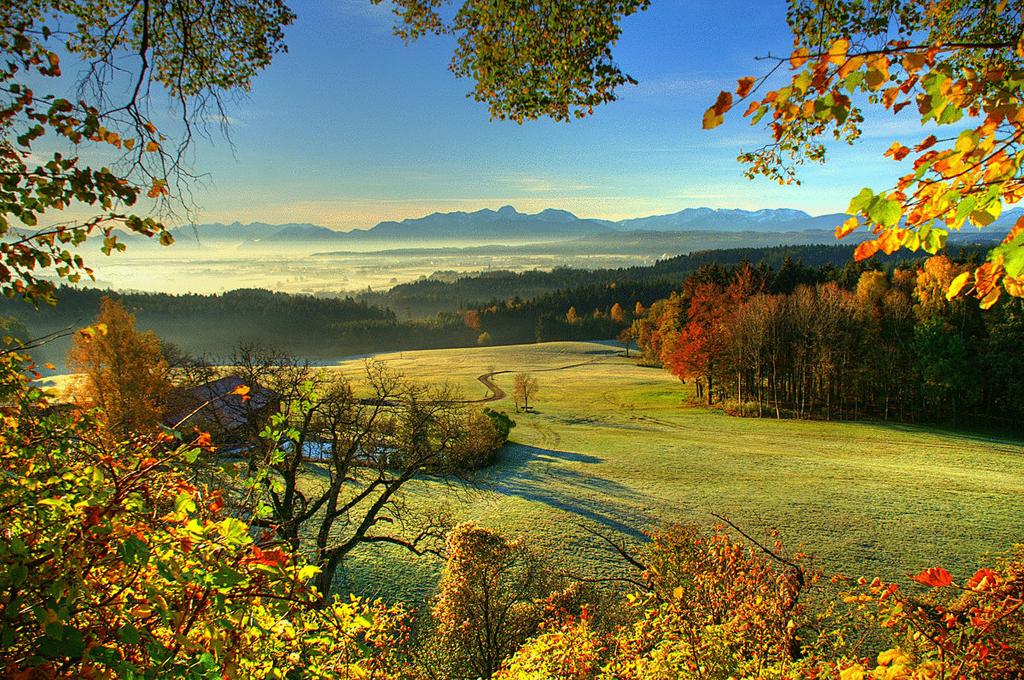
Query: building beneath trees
<point x="219" y="407"/>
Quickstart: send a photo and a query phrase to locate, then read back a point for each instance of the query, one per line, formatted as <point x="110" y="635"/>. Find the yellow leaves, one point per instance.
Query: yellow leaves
<point x="745" y="85"/>
<point x="799" y="57"/>
<point x="890" y="240"/>
<point x="90" y="332"/>
<point x="990" y="298"/>
<point x="852" y="64"/>
<point x="1020" y="47"/>
<point x="242" y="391"/>
<point x="1014" y="285"/>
<point x="847" y="227"/>
<point x="152" y="146"/>
<point x="837" y="52"/>
<point x="855" y="672"/>
<point x="958" y="285"/>
<point x="893" y="657"/>
<point x="715" y="115"/>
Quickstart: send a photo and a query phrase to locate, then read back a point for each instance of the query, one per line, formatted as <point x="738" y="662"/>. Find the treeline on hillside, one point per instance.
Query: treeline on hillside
<point x="586" y="312"/>
<point x="213" y="324"/>
<point x="432" y="296"/>
<point x="885" y="344"/>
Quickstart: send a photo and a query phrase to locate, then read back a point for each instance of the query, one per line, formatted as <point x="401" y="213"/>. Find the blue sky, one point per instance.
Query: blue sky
<point x="352" y="126"/>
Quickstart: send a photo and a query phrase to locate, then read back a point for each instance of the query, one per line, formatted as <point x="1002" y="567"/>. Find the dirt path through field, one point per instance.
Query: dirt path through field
<point x="497" y="393"/>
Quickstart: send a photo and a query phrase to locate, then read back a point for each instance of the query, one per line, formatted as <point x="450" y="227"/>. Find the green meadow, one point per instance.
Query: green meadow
<point x="613" y="447"/>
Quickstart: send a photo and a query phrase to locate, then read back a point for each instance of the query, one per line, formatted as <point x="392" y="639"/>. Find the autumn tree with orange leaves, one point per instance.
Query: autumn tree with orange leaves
<point x="123" y="372"/>
<point x="960" y="65"/>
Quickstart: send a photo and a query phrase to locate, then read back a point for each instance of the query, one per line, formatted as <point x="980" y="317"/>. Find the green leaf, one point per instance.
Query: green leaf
<point x="234" y="531"/>
<point x="1013" y="256"/>
<point x="226" y="577"/>
<point x="68" y="642"/>
<point x="964" y="209"/>
<point x="935" y="241"/>
<point x="861" y="201"/>
<point x="885" y="212"/>
<point x="134" y="551"/>
<point x="184" y="503"/>
<point x="129" y="634"/>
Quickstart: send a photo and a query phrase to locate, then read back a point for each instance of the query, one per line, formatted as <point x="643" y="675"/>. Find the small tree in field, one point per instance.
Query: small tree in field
<point x="524" y="388"/>
<point x="626" y="337"/>
<point x="124" y="371"/>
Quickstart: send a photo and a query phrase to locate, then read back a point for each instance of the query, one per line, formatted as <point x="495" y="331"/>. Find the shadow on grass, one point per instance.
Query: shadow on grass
<point x="544" y="476"/>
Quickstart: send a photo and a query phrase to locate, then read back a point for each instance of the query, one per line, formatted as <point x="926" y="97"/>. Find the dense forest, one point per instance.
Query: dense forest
<point x="835" y="344"/>
<point x="428" y="297"/>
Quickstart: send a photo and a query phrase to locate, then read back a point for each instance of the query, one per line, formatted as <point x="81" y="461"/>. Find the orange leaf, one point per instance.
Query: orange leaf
<point x="865" y="250"/>
<point x="986" y="277"/>
<point x="852" y="64"/>
<point x="935" y="577"/>
<point x="799" y="57"/>
<point x="983" y="579"/>
<point x="241" y="390"/>
<point x="745" y="85"/>
<point x="270" y="558"/>
<point x="927" y="142"/>
<point x="847" y="227"/>
<point x="152" y="146"/>
<point x="1016" y="231"/>
<point x="991" y="298"/>
<point x="1014" y="285"/>
<point x="897" y="151"/>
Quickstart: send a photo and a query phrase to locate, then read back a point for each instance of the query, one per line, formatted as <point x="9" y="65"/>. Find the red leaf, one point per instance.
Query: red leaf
<point x="745" y="85"/>
<point x="93" y="515"/>
<point x="271" y="558"/>
<point x="935" y="577"/>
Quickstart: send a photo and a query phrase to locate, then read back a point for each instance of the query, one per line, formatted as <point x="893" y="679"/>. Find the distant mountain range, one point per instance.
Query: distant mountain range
<point x="508" y="225"/>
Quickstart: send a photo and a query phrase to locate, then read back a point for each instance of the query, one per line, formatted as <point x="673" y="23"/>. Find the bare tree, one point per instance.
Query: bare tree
<point x="333" y="482"/>
<point x="524" y="388"/>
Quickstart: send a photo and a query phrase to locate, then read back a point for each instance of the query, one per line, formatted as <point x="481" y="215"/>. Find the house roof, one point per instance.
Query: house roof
<point x="214" y="404"/>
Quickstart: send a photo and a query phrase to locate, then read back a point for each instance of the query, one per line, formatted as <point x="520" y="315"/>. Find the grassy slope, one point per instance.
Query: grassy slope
<point x="612" y="448"/>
